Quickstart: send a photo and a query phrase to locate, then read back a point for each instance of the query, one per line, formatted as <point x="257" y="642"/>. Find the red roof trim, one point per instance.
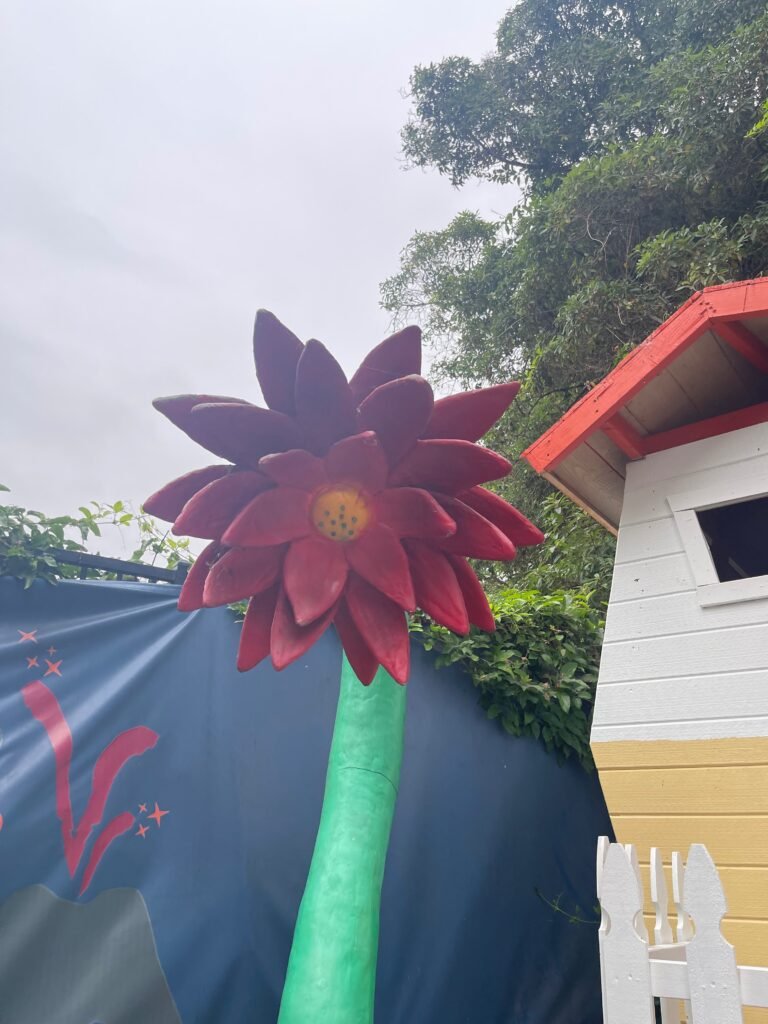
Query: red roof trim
<point x="624" y="436"/>
<point x="702" y="311"/>
<point x="748" y="417"/>
<point x="744" y="341"/>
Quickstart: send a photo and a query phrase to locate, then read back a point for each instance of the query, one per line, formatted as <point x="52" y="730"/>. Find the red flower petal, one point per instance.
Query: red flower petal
<point x="272" y="518"/>
<point x="358" y="460"/>
<point x="471" y="414"/>
<point x="382" y="625"/>
<point x="448" y="466"/>
<point x="325" y="408"/>
<point x="356" y="649"/>
<point x="276" y="351"/>
<point x="296" y="468"/>
<point x="476" y="602"/>
<point x="412" y="512"/>
<point x="314" y="576"/>
<point x="178" y="408"/>
<point x="397" y="356"/>
<point x="437" y="590"/>
<point x="475" y="536"/>
<point x="242" y="433"/>
<point x="241" y="573"/>
<point x="512" y="523"/>
<point x="398" y="412"/>
<point x="257" y="629"/>
<point x="379" y="557"/>
<point x="191" y="595"/>
<point x="209" y="512"/>
<point x="289" y="640"/>
<point x="171" y="499"/>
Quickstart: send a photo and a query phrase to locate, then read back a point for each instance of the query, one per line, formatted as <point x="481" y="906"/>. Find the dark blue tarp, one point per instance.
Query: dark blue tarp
<point x="187" y="915"/>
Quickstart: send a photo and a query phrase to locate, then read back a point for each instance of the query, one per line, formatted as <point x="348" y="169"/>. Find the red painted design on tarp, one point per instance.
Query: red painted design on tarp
<point x="131" y="743"/>
<point x="111" y="831"/>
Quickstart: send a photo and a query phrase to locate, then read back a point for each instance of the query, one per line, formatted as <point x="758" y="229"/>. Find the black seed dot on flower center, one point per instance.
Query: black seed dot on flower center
<point x="341" y="508"/>
<point x="333" y="533"/>
<point x="354" y="519"/>
<point x="333" y="522"/>
<point x="326" y="513"/>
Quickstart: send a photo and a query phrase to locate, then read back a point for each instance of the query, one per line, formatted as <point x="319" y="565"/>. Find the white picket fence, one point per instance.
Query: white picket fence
<point x="689" y="965"/>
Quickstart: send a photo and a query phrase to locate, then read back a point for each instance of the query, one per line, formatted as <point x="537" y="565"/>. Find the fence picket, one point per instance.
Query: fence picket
<point x="712" y="971"/>
<point x="626" y="969"/>
<point x="603" y="844"/>
<point x="683" y="927"/>
<point x="662" y="929"/>
<point x="642" y="931"/>
<point x="698" y="969"/>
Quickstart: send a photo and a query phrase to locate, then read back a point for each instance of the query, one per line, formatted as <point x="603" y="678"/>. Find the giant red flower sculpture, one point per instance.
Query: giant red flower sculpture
<point x="344" y="502"/>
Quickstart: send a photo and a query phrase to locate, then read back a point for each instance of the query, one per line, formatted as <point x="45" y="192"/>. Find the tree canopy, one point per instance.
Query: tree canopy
<point x="559" y="85"/>
<point x="639" y="134"/>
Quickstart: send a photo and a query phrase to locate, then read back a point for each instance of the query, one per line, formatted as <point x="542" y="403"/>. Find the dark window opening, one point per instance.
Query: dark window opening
<point x="737" y="536"/>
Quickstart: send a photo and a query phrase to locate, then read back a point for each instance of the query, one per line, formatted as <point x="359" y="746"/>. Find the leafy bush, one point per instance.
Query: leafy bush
<point x="538" y="672"/>
<point x="27" y="538"/>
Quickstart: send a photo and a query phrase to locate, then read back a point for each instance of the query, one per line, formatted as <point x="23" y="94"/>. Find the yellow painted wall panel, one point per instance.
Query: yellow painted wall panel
<point x="693" y="753"/>
<point x="730" y="839"/>
<point x="731" y="789"/>
<point x="746" y="890"/>
<point x="672" y="794"/>
<point x="750" y="939"/>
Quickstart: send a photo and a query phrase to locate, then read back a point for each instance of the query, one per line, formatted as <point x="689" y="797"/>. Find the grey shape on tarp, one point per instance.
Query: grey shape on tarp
<point x="77" y="963"/>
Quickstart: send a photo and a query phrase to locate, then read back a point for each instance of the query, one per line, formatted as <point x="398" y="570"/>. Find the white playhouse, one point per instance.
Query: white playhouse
<point x="670" y="451"/>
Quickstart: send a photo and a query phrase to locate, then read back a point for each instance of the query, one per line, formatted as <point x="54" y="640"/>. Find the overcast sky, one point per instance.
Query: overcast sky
<point x="165" y="169"/>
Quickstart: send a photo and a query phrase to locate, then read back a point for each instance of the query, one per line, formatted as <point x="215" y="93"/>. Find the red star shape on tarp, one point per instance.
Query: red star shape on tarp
<point x="143" y="829"/>
<point x="27" y="636"/>
<point x="32" y="663"/>
<point x="157" y="814"/>
<point x="53" y="667"/>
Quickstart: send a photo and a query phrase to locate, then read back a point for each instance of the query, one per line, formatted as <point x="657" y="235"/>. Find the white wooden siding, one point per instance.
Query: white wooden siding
<point x="670" y="574"/>
<point x="671" y="669"/>
<point x="737" y="446"/>
<point x="676" y="612"/>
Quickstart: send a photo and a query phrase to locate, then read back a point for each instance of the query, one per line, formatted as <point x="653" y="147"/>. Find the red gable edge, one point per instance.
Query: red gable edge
<point x="702" y="311"/>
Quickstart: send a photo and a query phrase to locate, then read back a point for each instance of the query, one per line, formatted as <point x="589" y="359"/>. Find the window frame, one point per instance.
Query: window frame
<point x="710" y="590"/>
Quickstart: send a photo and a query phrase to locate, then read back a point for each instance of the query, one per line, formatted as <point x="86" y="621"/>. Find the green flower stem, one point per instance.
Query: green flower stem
<point x="331" y="974"/>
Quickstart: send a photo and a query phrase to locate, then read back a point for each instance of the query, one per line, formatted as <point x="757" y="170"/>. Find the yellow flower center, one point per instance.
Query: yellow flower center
<point x="341" y="513"/>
